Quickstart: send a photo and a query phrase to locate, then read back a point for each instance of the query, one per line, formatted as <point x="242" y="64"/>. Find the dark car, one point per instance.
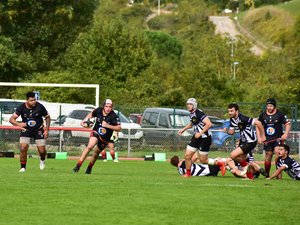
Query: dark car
<point x="161" y="126"/>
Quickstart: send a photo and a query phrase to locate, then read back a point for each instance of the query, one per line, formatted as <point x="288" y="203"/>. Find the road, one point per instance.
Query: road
<point x="227" y="28"/>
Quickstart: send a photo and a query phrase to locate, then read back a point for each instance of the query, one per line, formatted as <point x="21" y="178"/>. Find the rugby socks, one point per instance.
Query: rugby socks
<point x="243" y="163"/>
<point x="43" y="157"/>
<point x="188" y="172"/>
<point x="23" y="164"/>
<point x="112" y="153"/>
<point x="90" y="165"/>
<point x="103" y="155"/>
<point x="267" y="167"/>
<point x="79" y="163"/>
<point x="250" y="175"/>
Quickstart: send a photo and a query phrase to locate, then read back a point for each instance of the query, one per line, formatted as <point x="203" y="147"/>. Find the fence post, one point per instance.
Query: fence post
<point x="128" y="146"/>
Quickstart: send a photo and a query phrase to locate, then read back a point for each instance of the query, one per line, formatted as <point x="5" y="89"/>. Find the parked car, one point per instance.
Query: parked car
<point x="136" y="118"/>
<point x="76" y="116"/>
<point x="221" y="140"/>
<point x="7" y="108"/>
<point x="162" y="125"/>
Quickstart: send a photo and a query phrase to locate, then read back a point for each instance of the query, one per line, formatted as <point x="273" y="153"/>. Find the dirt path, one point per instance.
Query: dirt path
<point x="227" y="28"/>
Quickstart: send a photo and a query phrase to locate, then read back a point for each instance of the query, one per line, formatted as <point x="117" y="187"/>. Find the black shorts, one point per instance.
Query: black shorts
<point x="270" y="146"/>
<point x="102" y="143"/>
<point x="203" y="144"/>
<point x="247" y="147"/>
<point x="214" y="169"/>
<point x="37" y="134"/>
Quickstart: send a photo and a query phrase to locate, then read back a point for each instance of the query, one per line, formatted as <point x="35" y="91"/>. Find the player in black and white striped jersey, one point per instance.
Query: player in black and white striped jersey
<point x="248" y="139"/>
<point x="201" y="140"/>
<point x="196" y="169"/>
<point x="286" y="163"/>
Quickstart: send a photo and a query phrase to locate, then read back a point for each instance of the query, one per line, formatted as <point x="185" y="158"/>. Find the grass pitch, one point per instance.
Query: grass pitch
<point x="138" y="192"/>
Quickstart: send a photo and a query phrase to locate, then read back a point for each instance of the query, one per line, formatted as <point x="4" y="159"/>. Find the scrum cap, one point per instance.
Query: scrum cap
<point x="107" y="101"/>
<point x="192" y="101"/>
<point x="271" y="101"/>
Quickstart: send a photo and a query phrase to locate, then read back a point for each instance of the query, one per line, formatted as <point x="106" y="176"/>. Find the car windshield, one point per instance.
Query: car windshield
<point x="181" y="120"/>
<point x="123" y="119"/>
<point x="9" y="107"/>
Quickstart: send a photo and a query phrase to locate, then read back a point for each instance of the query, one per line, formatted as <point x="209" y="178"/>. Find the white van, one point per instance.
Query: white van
<point x="7" y="108"/>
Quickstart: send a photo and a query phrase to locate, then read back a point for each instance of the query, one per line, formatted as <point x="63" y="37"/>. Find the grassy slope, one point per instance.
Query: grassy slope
<point x="293" y="7"/>
<point x="139" y="193"/>
<point x="271" y="24"/>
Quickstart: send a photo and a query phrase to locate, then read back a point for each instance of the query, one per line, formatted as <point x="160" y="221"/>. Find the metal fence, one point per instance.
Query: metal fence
<point x="74" y="140"/>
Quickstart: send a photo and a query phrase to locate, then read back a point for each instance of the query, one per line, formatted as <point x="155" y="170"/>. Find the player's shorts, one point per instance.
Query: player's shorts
<point x="214" y="169"/>
<point x="247" y="147"/>
<point x="201" y="144"/>
<point x="101" y="142"/>
<point x="38" y="134"/>
<point x="270" y="146"/>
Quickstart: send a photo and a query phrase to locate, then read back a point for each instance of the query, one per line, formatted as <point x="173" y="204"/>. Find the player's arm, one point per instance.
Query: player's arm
<point x="14" y="122"/>
<point x="277" y="172"/>
<point x="116" y="127"/>
<point x="229" y="130"/>
<point x="261" y="136"/>
<point x="207" y="125"/>
<point x="286" y="131"/>
<point x="46" y="129"/>
<point x="188" y="126"/>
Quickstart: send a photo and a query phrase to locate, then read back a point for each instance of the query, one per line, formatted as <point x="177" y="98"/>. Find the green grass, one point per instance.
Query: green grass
<point x="293" y="7"/>
<point x="138" y="192"/>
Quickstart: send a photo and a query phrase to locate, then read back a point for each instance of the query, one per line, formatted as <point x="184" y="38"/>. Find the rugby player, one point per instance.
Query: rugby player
<point x="32" y="126"/>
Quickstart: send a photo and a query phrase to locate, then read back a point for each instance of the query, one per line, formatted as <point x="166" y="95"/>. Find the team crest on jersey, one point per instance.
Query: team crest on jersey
<point x="241" y="125"/>
<point x="31" y="123"/>
<point x="101" y="131"/>
<point x="195" y="120"/>
<point x="270" y="131"/>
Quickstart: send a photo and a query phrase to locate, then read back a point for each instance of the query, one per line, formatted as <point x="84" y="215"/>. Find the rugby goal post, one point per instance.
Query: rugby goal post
<point x="96" y="86"/>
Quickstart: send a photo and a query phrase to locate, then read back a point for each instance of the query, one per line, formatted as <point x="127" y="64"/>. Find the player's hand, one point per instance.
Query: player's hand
<point x="23" y="126"/>
<point x="105" y="124"/>
<point x="82" y="123"/>
<point x="46" y="133"/>
<point x="180" y="132"/>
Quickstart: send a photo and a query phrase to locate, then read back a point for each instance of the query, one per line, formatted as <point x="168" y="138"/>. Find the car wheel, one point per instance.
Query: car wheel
<point x="228" y="144"/>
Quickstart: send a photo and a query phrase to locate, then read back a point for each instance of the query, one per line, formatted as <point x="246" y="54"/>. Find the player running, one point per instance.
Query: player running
<point x="32" y="125"/>
<point x="273" y="120"/>
<point x="201" y="140"/>
<point x="248" y="139"/>
<point x="106" y="122"/>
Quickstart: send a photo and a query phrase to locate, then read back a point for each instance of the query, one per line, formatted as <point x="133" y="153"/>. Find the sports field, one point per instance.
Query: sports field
<point x="139" y="192"/>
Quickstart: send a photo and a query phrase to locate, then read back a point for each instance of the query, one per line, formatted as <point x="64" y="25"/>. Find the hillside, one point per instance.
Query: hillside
<point x="271" y="25"/>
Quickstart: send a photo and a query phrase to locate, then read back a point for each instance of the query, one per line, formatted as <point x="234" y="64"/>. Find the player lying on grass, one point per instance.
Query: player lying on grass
<point x="286" y="163"/>
<point x="196" y="169"/>
<point x="253" y="170"/>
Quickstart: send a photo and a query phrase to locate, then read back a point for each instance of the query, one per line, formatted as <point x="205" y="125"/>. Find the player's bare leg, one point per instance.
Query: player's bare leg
<point x="94" y="158"/>
<point x="23" y="156"/>
<point x="188" y="162"/>
<point x="268" y="162"/>
<point x="41" y="147"/>
<point x="92" y="142"/>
